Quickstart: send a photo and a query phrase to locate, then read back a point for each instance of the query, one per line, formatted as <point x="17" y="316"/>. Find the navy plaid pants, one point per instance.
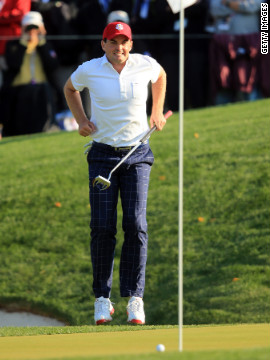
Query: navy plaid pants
<point x="131" y="180"/>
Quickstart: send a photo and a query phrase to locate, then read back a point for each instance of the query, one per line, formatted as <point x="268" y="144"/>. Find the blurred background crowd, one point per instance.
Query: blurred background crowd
<point x="43" y="42"/>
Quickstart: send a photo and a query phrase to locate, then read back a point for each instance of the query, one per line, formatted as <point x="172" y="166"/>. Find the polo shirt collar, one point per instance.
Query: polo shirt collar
<point x="104" y="60"/>
<point x="130" y="60"/>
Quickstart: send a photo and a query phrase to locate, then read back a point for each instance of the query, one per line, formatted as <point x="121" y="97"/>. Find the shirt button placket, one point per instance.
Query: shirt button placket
<point x="123" y="92"/>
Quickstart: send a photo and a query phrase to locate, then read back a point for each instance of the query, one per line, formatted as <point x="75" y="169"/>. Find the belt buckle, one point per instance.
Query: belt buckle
<point x="124" y="148"/>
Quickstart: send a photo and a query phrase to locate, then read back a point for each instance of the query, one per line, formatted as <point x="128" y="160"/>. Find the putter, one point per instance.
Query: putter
<point x="105" y="183"/>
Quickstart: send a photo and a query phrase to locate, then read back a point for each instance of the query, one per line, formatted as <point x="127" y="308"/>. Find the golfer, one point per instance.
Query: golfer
<point x="118" y="84"/>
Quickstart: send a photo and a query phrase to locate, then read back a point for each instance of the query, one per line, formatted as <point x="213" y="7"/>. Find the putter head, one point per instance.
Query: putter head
<point x="101" y="182"/>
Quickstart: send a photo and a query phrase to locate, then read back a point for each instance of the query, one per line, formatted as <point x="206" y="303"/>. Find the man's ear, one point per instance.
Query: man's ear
<point x="102" y="44"/>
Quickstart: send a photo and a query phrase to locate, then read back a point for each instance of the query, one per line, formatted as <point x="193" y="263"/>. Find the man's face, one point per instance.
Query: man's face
<point x="117" y="49"/>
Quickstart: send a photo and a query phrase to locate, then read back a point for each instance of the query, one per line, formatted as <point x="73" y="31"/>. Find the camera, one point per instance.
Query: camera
<point x="30" y="27"/>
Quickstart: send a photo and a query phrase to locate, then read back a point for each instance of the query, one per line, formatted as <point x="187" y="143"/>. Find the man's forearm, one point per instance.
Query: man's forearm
<point x="158" y="95"/>
<point x="74" y="102"/>
<point x="158" y="92"/>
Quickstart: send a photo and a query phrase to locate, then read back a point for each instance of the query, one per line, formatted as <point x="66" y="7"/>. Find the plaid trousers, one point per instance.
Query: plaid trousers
<point x="131" y="179"/>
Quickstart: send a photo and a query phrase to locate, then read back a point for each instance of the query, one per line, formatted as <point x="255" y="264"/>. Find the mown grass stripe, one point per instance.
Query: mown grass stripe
<point x="134" y="342"/>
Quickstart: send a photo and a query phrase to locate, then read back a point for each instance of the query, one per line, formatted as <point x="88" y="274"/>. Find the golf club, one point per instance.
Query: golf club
<point x="105" y="183"/>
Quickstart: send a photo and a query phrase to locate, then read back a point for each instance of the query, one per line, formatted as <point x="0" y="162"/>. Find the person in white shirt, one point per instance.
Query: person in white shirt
<point x="118" y="84"/>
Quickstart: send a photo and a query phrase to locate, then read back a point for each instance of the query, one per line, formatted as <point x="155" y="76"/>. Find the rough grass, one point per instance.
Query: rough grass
<point x="44" y="247"/>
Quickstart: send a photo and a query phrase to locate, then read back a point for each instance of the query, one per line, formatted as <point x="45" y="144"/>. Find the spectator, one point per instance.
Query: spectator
<point x="235" y="50"/>
<point x="164" y="21"/>
<point x="156" y="17"/>
<point x="118" y="15"/>
<point x="236" y="17"/>
<point x="123" y="5"/>
<point x="196" y="55"/>
<point x="60" y="19"/>
<point x="91" y="20"/>
<point x="145" y="20"/>
<point x="11" y="14"/>
<point x="27" y="105"/>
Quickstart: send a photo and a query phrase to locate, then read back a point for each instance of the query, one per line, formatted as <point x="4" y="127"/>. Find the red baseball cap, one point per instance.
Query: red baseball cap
<point x="117" y="28"/>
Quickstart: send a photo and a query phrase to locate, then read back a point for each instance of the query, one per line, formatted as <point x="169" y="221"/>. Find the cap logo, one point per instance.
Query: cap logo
<point x="119" y="27"/>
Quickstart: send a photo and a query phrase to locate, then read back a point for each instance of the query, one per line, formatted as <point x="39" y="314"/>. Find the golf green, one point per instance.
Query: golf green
<point x="134" y="342"/>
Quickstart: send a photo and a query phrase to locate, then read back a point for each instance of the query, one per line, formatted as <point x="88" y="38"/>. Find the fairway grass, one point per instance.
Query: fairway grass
<point x="142" y="343"/>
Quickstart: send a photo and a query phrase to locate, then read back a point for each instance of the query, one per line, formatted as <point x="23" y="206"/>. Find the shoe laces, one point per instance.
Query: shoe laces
<point x="135" y="305"/>
<point x="103" y="305"/>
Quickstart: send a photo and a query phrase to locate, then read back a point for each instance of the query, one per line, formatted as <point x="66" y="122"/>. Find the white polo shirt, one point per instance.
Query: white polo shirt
<point x="118" y="101"/>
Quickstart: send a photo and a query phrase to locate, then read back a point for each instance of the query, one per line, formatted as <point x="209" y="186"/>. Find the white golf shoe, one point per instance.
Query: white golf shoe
<point x="135" y="310"/>
<point x="103" y="310"/>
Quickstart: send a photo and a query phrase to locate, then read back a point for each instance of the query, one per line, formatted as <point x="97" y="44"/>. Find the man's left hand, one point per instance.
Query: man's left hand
<point x="158" y="120"/>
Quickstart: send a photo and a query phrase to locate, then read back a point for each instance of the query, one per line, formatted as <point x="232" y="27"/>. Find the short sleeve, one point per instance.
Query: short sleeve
<point x="78" y="78"/>
<point x="155" y="68"/>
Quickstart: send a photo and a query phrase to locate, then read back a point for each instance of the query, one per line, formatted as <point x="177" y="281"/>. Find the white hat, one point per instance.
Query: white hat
<point x="118" y="15"/>
<point x="32" y="18"/>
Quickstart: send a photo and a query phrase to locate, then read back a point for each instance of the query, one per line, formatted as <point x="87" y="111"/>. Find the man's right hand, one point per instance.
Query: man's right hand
<point x="74" y="102"/>
<point x="87" y="128"/>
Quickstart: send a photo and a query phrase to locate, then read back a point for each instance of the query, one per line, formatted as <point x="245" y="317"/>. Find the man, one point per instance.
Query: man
<point x="117" y="84"/>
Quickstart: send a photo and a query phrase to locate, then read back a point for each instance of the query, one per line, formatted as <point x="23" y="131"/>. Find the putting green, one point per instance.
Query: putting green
<point x="133" y="342"/>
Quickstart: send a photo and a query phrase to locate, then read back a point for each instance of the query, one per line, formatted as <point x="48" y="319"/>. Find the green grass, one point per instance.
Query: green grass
<point x="254" y="354"/>
<point x="251" y="354"/>
<point x="44" y="249"/>
<point x="57" y="330"/>
<point x="121" y="342"/>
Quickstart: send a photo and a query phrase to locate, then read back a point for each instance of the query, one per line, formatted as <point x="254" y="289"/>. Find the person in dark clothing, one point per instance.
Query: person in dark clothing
<point x="160" y="20"/>
<point x="196" y="55"/>
<point x="145" y="20"/>
<point x="11" y="14"/>
<point x="60" y="19"/>
<point x="91" y="20"/>
<point x="26" y="96"/>
<point x="123" y="5"/>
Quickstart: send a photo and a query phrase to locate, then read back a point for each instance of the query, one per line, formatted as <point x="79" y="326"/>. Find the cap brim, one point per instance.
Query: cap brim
<point x="114" y="35"/>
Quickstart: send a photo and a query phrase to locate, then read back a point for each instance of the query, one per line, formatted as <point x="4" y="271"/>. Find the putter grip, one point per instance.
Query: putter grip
<point x="149" y="133"/>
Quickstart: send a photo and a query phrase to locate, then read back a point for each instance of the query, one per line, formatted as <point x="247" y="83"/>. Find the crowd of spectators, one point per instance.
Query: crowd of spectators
<point x="223" y="62"/>
<point x="240" y="71"/>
